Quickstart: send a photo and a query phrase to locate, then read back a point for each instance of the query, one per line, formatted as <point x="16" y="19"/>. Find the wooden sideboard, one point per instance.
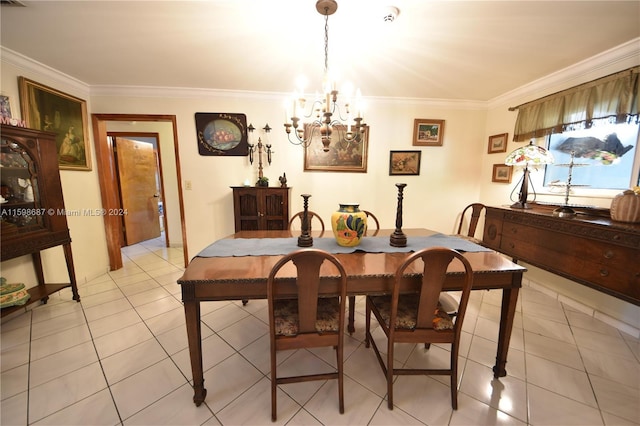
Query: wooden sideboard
<point x="260" y="208"/>
<point x="588" y="248"/>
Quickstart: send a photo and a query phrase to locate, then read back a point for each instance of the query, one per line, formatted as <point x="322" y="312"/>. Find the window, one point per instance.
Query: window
<point x="605" y="157"/>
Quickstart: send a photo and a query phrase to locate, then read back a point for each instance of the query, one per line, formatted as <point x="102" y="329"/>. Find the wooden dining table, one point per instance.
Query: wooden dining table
<point x="229" y="277"/>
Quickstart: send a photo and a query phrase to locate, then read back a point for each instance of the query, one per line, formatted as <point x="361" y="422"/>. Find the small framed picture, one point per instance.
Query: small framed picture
<point x="501" y="173"/>
<point x="5" y="107"/>
<point x="498" y="143"/>
<point x="404" y="163"/>
<point x="428" y="132"/>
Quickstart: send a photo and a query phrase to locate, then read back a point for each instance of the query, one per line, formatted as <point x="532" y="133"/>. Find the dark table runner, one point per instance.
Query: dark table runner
<point x="281" y="246"/>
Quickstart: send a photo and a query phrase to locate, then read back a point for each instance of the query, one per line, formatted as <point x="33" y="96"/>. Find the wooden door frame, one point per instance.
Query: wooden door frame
<point x="158" y="153"/>
<point x="107" y="176"/>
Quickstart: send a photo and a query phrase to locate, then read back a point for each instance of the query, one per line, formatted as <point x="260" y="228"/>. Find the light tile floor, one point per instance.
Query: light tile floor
<point x="120" y="357"/>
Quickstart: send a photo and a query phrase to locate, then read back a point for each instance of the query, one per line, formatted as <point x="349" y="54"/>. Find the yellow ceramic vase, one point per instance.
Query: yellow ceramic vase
<point x="349" y="225"/>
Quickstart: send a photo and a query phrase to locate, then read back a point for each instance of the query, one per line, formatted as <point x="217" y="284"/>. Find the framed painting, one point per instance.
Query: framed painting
<point x="498" y="143"/>
<point x="48" y="109"/>
<point x="404" y="162"/>
<point x="343" y="156"/>
<point x="222" y="134"/>
<point x="427" y="132"/>
<point x="501" y="173"/>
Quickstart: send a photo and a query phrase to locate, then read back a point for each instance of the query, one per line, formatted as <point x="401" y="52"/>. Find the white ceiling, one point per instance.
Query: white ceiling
<point x="459" y="50"/>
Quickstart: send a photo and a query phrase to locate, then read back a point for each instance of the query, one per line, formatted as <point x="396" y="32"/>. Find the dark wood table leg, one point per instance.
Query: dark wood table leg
<point x="507" y="315"/>
<point x="352" y="313"/>
<point x="194" y="336"/>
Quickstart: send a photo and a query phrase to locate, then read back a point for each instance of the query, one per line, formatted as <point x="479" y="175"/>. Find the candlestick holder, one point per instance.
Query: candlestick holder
<point x="398" y="238"/>
<point x="261" y="148"/>
<point x="305" y="239"/>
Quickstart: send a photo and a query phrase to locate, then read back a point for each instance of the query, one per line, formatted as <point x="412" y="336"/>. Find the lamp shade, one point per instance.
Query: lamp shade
<point x="529" y="155"/>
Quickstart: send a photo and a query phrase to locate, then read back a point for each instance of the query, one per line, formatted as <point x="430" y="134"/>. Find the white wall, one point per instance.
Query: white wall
<point x="451" y="176"/>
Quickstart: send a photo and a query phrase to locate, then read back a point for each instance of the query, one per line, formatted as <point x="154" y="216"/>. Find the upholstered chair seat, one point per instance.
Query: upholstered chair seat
<point x="408" y="312"/>
<point x="286" y="316"/>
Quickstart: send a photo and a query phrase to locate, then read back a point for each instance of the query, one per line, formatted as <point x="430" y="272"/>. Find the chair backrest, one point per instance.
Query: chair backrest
<point x="309" y="265"/>
<point x="375" y="220"/>
<point x="476" y="211"/>
<point x="435" y="262"/>
<point x="311" y="215"/>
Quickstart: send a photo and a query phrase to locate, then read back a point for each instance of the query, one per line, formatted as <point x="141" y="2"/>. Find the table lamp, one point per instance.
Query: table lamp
<point x="529" y="155"/>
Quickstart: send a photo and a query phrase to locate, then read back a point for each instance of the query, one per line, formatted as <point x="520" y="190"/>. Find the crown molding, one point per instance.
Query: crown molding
<point x="623" y="56"/>
<point x="32" y="66"/>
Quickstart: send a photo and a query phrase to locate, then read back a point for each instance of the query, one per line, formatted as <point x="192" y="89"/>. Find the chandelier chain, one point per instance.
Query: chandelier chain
<point x="326" y="42"/>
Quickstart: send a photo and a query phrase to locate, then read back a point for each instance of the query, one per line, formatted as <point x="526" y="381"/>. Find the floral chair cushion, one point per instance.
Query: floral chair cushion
<point x="407" y="312"/>
<point x="286" y="316"/>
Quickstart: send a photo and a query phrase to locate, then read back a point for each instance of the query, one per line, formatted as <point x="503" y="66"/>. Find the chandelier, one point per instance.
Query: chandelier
<point x="326" y="113"/>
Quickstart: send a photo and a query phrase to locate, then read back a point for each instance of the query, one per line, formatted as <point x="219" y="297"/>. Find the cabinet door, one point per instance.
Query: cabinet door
<point x="276" y="210"/>
<point x="246" y="209"/>
<point x="22" y="211"/>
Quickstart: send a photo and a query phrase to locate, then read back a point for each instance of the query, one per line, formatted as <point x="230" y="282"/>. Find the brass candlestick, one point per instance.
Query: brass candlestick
<point x="266" y="148"/>
<point x="398" y="238"/>
<point x="305" y="239"/>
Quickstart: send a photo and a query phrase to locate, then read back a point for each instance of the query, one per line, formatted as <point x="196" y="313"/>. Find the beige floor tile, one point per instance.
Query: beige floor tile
<point x="64" y="391"/>
<point x="566" y="381"/>
<point x="549" y="408"/>
<point x="176" y="408"/>
<point x="144" y="388"/>
<point x="96" y="409"/>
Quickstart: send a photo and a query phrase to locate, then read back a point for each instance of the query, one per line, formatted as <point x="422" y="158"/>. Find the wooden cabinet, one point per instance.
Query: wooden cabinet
<point x="589" y="248"/>
<point x="260" y="208"/>
<point x="33" y="217"/>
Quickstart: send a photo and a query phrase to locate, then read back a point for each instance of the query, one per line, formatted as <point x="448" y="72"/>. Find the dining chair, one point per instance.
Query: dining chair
<point x="309" y="320"/>
<point x="375" y="219"/>
<point x="417" y="317"/>
<point x="311" y="215"/>
<point x="448" y="302"/>
<point x="476" y="211"/>
<point x="352" y="299"/>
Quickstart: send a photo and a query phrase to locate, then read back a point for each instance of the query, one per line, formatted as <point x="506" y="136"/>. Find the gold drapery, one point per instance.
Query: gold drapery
<point x="614" y="98"/>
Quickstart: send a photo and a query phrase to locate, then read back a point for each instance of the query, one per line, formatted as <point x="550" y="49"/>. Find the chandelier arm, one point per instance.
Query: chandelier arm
<point x="314" y="109"/>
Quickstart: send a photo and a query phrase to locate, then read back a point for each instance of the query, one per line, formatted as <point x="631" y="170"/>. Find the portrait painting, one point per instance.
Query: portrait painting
<point x="48" y="109"/>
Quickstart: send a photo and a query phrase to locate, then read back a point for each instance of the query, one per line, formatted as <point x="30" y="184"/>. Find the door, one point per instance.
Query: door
<point x="138" y="171"/>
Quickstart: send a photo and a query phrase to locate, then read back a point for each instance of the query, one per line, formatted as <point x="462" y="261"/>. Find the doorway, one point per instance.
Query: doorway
<point x="139" y="171"/>
<point x="107" y="173"/>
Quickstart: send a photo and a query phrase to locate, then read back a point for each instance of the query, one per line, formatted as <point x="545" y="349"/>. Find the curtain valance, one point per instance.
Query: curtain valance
<point x="614" y="98"/>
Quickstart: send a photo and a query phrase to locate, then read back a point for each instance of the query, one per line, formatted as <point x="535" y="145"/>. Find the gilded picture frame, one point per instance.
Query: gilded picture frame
<point x="343" y="156"/>
<point x="48" y="109"/>
<point x="428" y="132"/>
